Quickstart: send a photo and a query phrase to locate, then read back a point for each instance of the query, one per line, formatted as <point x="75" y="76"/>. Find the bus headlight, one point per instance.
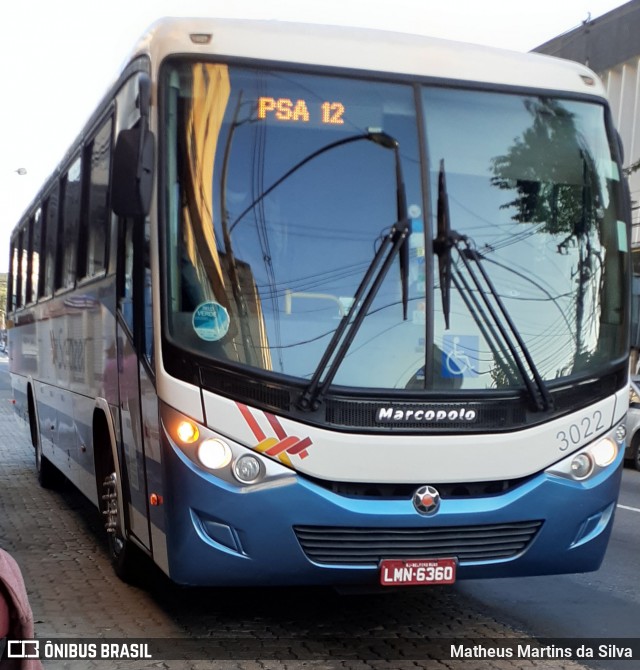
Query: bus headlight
<point x="581" y="466"/>
<point x="247" y="469"/>
<point x="214" y="453"/>
<point x="605" y="452"/>
<point x="187" y="431"/>
<point x="590" y="460"/>
<point x="220" y="456"/>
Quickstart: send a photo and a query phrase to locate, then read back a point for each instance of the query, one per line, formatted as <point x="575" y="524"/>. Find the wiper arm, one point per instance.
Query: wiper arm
<point x="385" y="140"/>
<point x="447" y="240"/>
<point x="442" y="244"/>
<point x="351" y="322"/>
<point x="537" y="388"/>
<point x="396" y="243"/>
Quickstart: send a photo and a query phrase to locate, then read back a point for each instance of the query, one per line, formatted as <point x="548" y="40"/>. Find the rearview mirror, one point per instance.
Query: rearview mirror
<point x="133" y="158"/>
<point x="132" y="181"/>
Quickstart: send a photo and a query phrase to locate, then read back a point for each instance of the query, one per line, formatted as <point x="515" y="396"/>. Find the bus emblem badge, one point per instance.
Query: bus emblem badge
<point x="426" y="500"/>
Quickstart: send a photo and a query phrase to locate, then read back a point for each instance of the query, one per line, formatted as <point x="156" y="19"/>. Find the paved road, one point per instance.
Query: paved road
<point x="598" y="604"/>
<point x="57" y="539"/>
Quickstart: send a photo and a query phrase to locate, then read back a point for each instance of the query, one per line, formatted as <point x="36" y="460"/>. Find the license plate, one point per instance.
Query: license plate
<point x="416" y="572"/>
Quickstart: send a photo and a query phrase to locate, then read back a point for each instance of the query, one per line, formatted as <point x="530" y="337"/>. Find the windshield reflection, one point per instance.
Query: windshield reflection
<point x="275" y="210"/>
<point x="533" y="183"/>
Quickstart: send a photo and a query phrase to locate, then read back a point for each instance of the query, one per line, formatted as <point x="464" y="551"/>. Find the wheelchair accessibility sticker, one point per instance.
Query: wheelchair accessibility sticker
<point x="460" y="356"/>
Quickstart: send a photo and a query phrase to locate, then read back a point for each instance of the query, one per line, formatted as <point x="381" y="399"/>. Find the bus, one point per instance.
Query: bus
<point x="313" y="305"/>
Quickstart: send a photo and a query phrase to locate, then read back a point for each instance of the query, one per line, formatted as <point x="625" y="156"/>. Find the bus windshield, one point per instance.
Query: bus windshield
<point x="276" y="202"/>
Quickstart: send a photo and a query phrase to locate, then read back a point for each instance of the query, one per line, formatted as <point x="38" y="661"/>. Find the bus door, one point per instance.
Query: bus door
<point x="134" y="383"/>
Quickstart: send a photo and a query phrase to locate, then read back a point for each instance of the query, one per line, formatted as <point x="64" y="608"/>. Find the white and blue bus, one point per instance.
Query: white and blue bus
<point x="317" y="305"/>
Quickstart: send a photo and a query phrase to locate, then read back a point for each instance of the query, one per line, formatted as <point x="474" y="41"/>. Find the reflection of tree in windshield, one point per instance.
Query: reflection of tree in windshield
<point x="552" y="172"/>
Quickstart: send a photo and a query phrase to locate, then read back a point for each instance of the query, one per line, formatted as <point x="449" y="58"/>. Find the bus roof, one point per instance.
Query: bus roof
<point x="365" y="49"/>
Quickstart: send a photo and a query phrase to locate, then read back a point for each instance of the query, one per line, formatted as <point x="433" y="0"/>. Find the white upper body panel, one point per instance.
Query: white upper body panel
<point x="386" y="458"/>
<point x="365" y="49"/>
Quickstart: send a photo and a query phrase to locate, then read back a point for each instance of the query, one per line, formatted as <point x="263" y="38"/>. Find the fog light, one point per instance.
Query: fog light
<point x="605" y="452"/>
<point x="621" y="432"/>
<point x="214" y="454"/>
<point x="581" y="466"/>
<point x="187" y="432"/>
<point x="247" y="469"/>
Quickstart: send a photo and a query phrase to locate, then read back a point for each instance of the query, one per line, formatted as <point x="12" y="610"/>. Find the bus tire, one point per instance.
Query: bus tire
<point x="122" y="552"/>
<point x="125" y="557"/>
<point x="636" y="451"/>
<point x="49" y="477"/>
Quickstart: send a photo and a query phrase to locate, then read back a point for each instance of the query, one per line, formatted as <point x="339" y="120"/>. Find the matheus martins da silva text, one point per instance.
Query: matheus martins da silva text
<point x="511" y="650"/>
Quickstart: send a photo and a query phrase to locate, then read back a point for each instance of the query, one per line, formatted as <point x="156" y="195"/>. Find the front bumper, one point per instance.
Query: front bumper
<point x="220" y="534"/>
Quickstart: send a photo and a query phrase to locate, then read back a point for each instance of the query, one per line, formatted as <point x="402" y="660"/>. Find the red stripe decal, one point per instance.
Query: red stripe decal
<point x="275" y="424"/>
<point x="251" y="422"/>
<point x="282" y="446"/>
<point x="303" y="444"/>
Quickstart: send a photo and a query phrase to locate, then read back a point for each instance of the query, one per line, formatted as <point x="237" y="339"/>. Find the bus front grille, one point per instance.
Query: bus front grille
<point x="363" y="546"/>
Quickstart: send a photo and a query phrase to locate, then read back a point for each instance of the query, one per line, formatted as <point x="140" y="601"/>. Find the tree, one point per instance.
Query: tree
<point x="554" y="176"/>
<point x="554" y="173"/>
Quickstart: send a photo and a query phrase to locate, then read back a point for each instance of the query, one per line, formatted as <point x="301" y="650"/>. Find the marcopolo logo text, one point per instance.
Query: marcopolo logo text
<point x="425" y="414"/>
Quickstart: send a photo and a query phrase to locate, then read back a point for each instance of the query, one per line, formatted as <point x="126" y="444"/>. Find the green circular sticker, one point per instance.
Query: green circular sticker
<point x="210" y="321"/>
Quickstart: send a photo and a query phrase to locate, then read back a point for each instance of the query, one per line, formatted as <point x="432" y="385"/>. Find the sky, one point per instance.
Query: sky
<point x="58" y="57"/>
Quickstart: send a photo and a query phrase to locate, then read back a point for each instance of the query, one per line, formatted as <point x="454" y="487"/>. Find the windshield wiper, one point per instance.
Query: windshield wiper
<point x="443" y="244"/>
<point x="395" y="243"/>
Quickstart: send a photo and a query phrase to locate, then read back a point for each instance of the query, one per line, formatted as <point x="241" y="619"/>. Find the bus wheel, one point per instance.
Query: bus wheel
<point x="49" y="477"/>
<point x="636" y="454"/>
<point x="123" y="554"/>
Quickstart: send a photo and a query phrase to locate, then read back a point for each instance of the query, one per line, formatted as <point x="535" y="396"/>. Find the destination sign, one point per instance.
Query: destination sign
<point x="300" y="111"/>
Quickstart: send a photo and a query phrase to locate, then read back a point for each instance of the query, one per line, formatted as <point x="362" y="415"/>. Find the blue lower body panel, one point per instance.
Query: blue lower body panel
<point x="218" y="534"/>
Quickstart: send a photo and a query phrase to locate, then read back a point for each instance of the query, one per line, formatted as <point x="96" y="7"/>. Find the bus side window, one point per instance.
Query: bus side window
<point x="126" y="297"/>
<point x="69" y="225"/>
<point x="50" y="209"/>
<point x="13" y="276"/>
<point x="148" y="295"/>
<point x="17" y="271"/>
<point x="131" y="300"/>
<point x="98" y="155"/>
<point x="27" y="261"/>
<point x="25" y="284"/>
<point x="36" y="248"/>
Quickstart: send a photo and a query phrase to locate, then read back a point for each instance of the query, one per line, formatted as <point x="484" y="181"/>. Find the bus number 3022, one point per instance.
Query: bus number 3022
<point x="576" y="433"/>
